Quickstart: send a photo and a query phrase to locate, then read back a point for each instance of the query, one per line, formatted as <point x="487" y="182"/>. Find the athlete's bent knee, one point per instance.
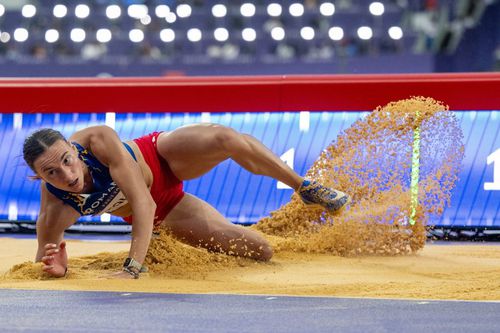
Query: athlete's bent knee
<point x="265" y="252"/>
<point x="227" y="139"/>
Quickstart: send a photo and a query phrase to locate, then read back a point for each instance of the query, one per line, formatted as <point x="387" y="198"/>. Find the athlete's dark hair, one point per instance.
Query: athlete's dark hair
<point x="38" y="142"/>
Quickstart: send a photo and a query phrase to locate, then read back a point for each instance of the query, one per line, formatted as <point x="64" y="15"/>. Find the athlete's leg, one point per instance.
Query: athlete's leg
<point x="195" y="222"/>
<point x="192" y="151"/>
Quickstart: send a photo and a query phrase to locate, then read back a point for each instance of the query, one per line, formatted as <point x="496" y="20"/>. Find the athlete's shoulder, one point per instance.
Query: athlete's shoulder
<point x="86" y="136"/>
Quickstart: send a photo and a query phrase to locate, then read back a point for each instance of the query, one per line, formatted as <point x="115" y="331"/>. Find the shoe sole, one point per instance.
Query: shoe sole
<point x="315" y="205"/>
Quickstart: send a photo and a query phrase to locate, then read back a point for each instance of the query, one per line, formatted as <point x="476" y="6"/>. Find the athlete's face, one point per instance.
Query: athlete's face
<point x="59" y="165"/>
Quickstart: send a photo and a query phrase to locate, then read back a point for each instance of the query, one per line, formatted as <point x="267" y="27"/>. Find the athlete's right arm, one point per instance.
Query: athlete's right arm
<point x="54" y="218"/>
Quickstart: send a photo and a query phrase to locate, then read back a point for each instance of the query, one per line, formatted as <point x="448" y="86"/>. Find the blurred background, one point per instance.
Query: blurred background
<point x="221" y="37"/>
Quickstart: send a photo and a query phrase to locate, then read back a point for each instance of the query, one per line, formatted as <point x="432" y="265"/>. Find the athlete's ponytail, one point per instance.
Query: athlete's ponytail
<point x="38" y="142"/>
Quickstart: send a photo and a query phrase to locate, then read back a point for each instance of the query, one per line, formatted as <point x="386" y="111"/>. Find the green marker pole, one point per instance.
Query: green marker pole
<point x="415" y="170"/>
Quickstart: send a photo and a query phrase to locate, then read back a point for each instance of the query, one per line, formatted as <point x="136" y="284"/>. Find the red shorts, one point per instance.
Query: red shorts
<point x="167" y="189"/>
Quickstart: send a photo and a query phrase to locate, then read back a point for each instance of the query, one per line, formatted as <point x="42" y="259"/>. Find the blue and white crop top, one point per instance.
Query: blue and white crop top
<point x="106" y="198"/>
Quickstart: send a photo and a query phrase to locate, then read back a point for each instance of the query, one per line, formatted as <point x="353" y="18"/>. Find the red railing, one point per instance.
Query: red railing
<point x="462" y="91"/>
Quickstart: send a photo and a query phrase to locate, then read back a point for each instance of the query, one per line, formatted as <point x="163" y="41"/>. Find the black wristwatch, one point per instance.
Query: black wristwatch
<point x="133" y="267"/>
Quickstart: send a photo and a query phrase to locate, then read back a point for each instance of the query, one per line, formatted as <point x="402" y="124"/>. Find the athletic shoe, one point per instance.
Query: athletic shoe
<point x="313" y="193"/>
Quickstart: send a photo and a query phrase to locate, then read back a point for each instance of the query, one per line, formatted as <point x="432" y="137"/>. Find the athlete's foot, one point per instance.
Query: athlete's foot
<point x="313" y="193"/>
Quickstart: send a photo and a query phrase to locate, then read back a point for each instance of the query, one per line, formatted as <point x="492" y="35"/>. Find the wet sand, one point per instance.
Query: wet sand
<point x="466" y="271"/>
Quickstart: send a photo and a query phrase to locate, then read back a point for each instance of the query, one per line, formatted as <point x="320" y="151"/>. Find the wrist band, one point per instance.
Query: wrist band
<point x="133" y="267"/>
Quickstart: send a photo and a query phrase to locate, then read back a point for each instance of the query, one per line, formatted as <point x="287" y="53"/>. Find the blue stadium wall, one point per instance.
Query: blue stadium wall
<point x="244" y="198"/>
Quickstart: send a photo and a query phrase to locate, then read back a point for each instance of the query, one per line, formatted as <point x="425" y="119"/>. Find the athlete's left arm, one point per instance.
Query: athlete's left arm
<point x="126" y="173"/>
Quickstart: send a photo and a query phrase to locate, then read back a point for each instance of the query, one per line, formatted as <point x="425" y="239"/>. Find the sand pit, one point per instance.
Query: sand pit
<point x="369" y="249"/>
<point x="455" y="271"/>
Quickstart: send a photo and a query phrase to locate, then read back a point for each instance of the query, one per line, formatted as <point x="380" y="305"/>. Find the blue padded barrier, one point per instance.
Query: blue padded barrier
<point x="240" y="196"/>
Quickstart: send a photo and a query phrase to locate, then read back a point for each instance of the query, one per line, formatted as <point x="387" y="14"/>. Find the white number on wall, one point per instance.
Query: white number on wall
<point x="287" y="157"/>
<point x="495" y="159"/>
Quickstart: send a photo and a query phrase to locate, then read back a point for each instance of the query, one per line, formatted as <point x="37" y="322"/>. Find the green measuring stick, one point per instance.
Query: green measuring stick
<point x="415" y="170"/>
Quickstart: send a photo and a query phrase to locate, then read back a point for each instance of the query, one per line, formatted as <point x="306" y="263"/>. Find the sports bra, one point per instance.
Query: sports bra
<point x="106" y="198"/>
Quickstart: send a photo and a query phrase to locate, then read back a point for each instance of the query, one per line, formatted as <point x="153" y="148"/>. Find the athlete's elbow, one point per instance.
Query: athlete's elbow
<point x="148" y="205"/>
<point x="152" y="205"/>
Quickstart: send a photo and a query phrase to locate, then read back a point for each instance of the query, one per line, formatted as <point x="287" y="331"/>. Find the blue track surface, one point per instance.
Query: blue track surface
<point x="70" y="311"/>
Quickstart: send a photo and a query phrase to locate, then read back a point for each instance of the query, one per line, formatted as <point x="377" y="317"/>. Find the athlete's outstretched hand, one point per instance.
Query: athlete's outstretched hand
<point x="55" y="259"/>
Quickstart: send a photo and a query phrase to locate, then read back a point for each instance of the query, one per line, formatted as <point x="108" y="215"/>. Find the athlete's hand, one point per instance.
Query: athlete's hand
<point x="55" y="259"/>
